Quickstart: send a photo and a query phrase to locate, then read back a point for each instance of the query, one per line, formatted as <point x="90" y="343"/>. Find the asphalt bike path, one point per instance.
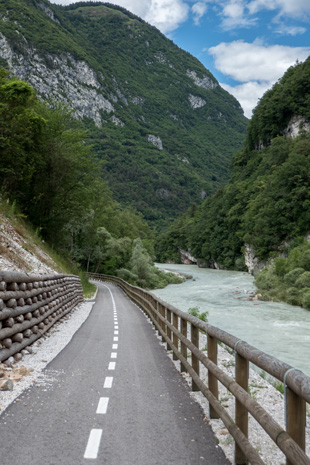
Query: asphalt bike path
<point x="113" y="397"/>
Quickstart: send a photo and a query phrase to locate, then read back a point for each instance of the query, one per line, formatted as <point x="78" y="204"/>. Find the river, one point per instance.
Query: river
<point x="277" y="328"/>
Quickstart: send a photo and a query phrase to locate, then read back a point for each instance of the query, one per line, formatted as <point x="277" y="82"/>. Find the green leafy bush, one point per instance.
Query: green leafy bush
<point x="195" y="311"/>
<point x="305" y="298"/>
<point x="294" y="287"/>
<point x="293" y="296"/>
<point x="267" y="279"/>
<point x="303" y="280"/>
<point x="292" y="276"/>
<point x="126" y="275"/>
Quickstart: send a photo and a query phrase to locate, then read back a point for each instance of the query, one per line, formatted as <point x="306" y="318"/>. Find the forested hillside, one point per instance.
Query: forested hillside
<point x="265" y="207"/>
<point x="49" y="176"/>
<point x="157" y="119"/>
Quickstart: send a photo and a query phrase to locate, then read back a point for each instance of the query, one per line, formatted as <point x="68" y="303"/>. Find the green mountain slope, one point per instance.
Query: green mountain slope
<point x="158" y="119"/>
<point x="265" y="207"/>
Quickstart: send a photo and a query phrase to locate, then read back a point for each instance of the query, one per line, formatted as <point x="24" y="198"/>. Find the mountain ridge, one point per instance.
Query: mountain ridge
<point x="158" y="119"/>
<point x="263" y="211"/>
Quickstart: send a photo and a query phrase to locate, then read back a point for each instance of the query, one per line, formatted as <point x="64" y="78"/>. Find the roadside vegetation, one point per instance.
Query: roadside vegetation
<point x="266" y="203"/>
<point x="144" y="75"/>
<point x="49" y="177"/>
<point x="195" y="311"/>
<point x="288" y="278"/>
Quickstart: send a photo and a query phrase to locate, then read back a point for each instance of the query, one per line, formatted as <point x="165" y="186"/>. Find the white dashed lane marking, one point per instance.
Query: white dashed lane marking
<point x="103" y="405"/>
<point x="93" y="444"/>
<point x="108" y="382"/>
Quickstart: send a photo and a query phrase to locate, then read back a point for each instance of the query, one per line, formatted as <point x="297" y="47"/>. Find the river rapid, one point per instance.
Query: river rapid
<point x="277" y="328"/>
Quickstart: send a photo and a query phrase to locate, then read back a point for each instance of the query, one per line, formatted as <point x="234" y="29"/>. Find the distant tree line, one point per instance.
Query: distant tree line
<point x="266" y="203"/>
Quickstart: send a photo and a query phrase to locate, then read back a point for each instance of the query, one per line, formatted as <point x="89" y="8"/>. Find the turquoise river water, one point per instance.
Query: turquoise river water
<point x="277" y="328"/>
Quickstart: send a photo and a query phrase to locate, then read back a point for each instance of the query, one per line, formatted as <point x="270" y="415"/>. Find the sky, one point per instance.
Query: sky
<point x="246" y="44"/>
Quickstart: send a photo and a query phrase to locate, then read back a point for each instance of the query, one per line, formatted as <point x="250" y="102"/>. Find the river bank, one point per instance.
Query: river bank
<point x="273" y="327"/>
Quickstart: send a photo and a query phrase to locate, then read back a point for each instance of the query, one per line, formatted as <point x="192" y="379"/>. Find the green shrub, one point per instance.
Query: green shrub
<point x="281" y="266"/>
<point x="293" y="296"/>
<point x="195" y="311"/>
<point x="303" y="280"/>
<point x="172" y="278"/>
<point x="126" y="275"/>
<point x="291" y="277"/>
<point x="89" y="288"/>
<point x="266" y="279"/>
<point x="305" y="298"/>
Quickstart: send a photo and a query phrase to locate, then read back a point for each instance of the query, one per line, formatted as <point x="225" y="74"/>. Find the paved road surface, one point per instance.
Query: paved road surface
<point x="113" y="397"/>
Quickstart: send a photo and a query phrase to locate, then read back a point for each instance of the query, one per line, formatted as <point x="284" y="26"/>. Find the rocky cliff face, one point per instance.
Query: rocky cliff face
<point x="253" y="264"/>
<point x="60" y="78"/>
<point x="296" y="125"/>
<point x="137" y="94"/>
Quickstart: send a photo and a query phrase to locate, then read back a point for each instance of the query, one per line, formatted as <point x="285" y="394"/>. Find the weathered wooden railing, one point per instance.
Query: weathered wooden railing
<point x="30" y="305"/>
<point x="172" y="325"/>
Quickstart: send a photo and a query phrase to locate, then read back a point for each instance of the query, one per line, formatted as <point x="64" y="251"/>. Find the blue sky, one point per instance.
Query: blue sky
<point x="246" y="44"/>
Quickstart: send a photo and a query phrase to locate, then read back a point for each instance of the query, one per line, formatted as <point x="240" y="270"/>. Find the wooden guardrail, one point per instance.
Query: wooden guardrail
<point x="172" y="325"/>
<point x="30" y="305"/>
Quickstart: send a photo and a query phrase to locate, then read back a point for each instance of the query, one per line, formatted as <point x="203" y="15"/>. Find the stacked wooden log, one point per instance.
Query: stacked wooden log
<point x="30" y="305"/>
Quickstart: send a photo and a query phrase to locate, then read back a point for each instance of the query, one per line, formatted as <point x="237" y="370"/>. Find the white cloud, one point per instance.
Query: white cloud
<point x="293" y="8"/>
<point x="166" y="15"/>
<point x="239" y="13"/>
<point x="234" y="15"/>
<point x="234" y="9"/>
<point x="251" y="62"/>
<point x="199" y="9"/>
<point x="256" y="66"/>
<point x="290" y="30"/>
<point x="62" y="2"/>
<point x="248" y="94"/>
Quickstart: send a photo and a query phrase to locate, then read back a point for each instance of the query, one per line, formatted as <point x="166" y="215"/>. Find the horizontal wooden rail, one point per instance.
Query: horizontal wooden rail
<point x="30" y="304"/>
<point x="172" y="324"/>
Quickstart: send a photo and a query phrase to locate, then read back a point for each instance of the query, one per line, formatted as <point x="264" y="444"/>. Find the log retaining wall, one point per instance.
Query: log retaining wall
<point x="30" y="305"/>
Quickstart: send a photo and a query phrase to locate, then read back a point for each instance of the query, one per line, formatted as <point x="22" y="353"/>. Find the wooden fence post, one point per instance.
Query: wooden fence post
<point x="195" y="360"/>
<point x="242" y="378"/>
<point x="168" y="329"/>
<point x="183" y="346"/>
<point x="175" y="337"/>
<point x="295" y="419"/>
<point x="155" y="315"/>
<point x="162" y="324"/>
<point x="212" y="380"/>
